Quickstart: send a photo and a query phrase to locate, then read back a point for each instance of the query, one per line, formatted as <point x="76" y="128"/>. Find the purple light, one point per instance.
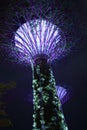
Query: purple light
<point x="62" y="93"/>
<point x="38" y="37"/>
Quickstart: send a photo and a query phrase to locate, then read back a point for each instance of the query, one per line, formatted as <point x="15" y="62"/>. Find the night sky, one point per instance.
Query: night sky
<point x="70" y="71"/>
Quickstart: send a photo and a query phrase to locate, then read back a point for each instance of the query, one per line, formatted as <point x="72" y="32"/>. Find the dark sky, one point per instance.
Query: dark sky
<point x="70" y="71"/>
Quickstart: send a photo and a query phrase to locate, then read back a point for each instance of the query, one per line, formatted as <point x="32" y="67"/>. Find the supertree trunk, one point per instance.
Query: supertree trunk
<point x="47" y="107"/>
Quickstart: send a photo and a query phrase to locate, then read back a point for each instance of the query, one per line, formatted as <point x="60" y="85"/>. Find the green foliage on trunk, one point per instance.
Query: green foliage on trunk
<point x="47" y="107"/>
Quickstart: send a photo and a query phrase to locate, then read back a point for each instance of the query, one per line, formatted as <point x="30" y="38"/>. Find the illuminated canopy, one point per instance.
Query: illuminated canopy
<point x="38" y="37"/>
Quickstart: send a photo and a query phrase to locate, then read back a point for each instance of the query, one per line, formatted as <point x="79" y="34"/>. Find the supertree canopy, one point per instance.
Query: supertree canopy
<point x="41" y="36"/>
<point x="37" y="38"/>
<point x="63" y="93"/>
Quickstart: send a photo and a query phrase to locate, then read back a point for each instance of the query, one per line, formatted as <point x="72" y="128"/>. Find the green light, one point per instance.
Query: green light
<point x="47" y="107"/>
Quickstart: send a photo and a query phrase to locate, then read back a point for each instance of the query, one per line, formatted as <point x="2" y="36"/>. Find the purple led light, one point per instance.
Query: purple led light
<point x="38" y="37"/>
<point x="62" y="93"/>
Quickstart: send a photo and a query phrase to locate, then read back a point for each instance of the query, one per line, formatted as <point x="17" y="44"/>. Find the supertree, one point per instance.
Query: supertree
<point x="40" y="37"/>
<point x="39" y="42"/>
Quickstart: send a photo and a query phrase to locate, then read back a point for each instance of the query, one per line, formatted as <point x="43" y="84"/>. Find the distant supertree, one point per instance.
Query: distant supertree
<point x="41" y="36"/>
<point x="63" y="93"/>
